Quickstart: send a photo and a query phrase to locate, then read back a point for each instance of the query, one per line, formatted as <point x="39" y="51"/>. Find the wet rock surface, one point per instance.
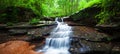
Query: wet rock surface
<point x="85" y="40"/>
<point x="90" y="41"/>
<point x="17" y="31"/>
<point x="34" y="36"/>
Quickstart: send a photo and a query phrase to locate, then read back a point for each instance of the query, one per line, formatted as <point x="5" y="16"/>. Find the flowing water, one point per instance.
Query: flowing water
<point x="58" y="42"/>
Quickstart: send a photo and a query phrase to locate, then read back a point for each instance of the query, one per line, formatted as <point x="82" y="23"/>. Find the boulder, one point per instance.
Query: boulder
<point x="85" y="17"/>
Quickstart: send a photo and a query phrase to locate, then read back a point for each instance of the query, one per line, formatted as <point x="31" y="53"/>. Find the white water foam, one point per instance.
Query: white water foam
<point x="58" y="42"/>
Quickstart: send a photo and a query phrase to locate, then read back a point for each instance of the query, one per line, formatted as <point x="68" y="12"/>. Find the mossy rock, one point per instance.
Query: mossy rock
<point x="87" y="15"/>
<point x="16" y="14"/>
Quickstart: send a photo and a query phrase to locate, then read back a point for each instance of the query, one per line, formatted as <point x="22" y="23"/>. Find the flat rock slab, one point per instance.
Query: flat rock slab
<point x="16" y="47"/>
<point x="17" y="31"/>
<point x="88" y="32"/>
<point x="79" y="31"/>
<point x="91" y="34"/>
<point x="26" y="25"/>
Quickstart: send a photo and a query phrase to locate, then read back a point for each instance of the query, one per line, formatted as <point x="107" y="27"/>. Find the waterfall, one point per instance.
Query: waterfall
<point x="58" y="42"/>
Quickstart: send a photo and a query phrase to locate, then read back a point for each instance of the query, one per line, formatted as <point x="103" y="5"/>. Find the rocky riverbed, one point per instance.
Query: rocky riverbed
<point x="85" y="40"/>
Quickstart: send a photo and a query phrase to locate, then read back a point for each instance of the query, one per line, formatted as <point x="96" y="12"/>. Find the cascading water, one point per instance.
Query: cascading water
<point x="58" y="42"/>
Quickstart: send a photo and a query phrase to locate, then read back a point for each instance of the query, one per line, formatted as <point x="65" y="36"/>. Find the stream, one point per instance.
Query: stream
<point x="59" y="40"/>
<point x="65" y="39"/>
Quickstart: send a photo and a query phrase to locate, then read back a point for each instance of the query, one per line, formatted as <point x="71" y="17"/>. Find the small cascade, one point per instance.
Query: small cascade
<point x="59" y="40"/>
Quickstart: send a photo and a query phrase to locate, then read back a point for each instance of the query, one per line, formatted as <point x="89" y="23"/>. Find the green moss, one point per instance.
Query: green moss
<point x="34" y="21"/>
<point x="109" y="10"/>
<point x="103" y="17"/>
<point x="9" y="24"/>
<point x="9" y="16"/>
<point x="87" y="13"/>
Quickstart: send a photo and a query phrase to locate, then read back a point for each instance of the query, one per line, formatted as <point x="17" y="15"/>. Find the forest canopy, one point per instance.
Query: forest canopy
<point x="50" y="8"/>
<point x="108" y="9"/>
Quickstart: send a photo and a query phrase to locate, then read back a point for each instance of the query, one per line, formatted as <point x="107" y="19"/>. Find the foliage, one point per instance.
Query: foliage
<point x="9" y="24"/>
<point x="60" y="8"/>
<point x="86" y="7"/>
<point x="15" y="14"/>
<point x="110" y="8"/>
<point x="103" y="17"/>
<point x="88" y="3"/>
<point x="2" y="17"/>
<point x="9" y="16"/>
<point x="34" y="21"/>
<point x="103" y="11"/>
<point x="87" y="13"/>
<point x="35" y="5"/>
<point x="50" y="8"/>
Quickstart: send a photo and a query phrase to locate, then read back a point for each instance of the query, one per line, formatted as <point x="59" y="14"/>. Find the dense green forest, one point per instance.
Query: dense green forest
<point x="61" y="8"/>
<point x="50" y="8"/>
